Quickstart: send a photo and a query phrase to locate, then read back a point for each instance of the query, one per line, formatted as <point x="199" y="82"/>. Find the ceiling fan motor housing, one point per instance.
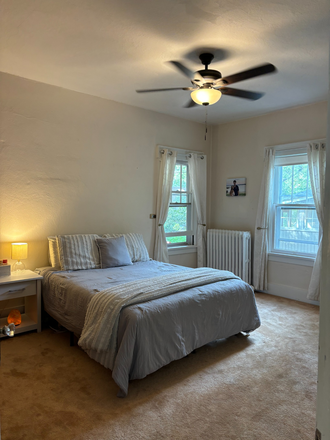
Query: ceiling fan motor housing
<point x="207" y="74"/>
<point x="210" y="75"/>
<point x="206" y="58"/>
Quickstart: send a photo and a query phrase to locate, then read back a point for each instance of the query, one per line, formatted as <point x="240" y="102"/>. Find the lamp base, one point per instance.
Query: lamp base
<point x="18" y="266"/>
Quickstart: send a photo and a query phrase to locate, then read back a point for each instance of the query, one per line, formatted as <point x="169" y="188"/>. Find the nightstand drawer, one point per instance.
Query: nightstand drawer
<point x="17" y="290"/>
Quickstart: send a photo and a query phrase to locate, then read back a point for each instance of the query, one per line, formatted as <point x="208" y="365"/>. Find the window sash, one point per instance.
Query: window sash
<point x="178" y="205"/>
<point x="190" y="217"/>
<point x="279" y="182"/>
<point x="277" y="209"/>
<point x="189" y="233"/>
<point x="179" y="233"/>
<point x="187" y="242"/>
<point x="277" y="230"/>
<point x="188" y="194"/>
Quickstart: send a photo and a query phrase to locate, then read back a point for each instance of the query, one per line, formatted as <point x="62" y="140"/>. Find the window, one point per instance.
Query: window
<point x="295" y="223"/>
<point x="179" y="223"/>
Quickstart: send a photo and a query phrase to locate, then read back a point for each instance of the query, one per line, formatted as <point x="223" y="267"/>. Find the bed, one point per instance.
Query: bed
<point x="152" y="334"/>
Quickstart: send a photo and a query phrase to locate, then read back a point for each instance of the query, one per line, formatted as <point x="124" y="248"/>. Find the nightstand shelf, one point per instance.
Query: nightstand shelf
<point x="26" y="325"/>
<point x="27" y="285"/>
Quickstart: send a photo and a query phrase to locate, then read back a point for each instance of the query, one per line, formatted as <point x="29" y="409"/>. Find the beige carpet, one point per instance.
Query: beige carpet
<point x="258" y="387"/>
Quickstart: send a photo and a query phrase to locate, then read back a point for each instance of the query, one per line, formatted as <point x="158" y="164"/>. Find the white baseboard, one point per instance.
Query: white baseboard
<point x="289" y="292"/>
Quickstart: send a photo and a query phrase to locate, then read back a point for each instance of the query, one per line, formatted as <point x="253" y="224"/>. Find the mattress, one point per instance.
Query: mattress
<point x="156" y="332"/>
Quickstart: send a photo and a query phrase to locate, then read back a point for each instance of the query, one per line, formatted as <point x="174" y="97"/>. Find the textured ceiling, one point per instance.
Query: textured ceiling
<point x="111" y="48"/>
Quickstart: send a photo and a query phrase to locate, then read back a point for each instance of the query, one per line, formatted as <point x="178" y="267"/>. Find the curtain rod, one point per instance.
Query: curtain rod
<point x="179" y="150"/>
<point x="187" y="155"/>
<point x="300" y="144"/>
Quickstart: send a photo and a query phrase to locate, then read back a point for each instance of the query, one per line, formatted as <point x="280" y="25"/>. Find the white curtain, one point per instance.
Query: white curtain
<point x="197" y="172"/>
<point x="316" y="164"/>
<point x="262" y="223"/>
<point x="166" y="174"/>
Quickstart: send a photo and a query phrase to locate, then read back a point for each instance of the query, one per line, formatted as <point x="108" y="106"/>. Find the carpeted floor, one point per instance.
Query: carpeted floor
<point x="261" y="387"/>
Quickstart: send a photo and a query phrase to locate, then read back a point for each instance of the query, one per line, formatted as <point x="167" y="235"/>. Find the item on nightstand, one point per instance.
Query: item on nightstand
<point x="14" y="317"/>
<point x="19" y="251"/>
<point x="8" y="330"/>
<point x="4" y="270"/>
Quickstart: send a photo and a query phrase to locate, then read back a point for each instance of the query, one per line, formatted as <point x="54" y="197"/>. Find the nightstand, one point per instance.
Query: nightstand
<point x="27" y="285"/>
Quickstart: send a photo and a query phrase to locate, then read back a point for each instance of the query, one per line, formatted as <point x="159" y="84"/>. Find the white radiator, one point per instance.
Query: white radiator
<point x="230" y="250"/>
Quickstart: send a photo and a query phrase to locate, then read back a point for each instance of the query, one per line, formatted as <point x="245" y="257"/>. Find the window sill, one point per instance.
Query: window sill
<point x="177" y="250"/>
<point x="291" y="259"/>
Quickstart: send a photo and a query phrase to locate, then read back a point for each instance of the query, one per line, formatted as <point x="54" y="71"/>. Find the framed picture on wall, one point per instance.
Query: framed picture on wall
<point x="236" y="186"/>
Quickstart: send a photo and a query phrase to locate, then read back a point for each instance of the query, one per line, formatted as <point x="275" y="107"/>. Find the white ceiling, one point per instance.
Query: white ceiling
<point x="111" y="48"/>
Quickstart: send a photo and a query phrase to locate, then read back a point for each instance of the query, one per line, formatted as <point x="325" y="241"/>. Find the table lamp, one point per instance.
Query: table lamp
<point x="19" y="251"/>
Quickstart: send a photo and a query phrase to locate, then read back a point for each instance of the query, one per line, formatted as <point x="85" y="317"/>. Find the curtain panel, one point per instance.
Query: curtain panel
<point x="316" y="153"/>
<point x="260" y="261"/>
<point x="197" y="171"/>
<point x="166" y="174"/>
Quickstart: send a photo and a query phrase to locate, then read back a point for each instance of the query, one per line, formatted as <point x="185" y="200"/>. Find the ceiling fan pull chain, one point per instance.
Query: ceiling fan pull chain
<point x="205" y="121"/>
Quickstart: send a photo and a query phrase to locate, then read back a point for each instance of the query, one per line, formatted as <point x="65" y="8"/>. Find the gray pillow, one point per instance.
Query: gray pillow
<point x="113" y="252"/>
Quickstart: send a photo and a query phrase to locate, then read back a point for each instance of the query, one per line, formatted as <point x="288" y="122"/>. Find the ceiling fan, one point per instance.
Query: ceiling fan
<point x="208" y="84"/>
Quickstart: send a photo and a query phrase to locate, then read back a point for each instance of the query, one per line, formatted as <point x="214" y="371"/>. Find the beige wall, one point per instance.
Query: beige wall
<point x="73" y="163"/>
<point x="237" y="151"/>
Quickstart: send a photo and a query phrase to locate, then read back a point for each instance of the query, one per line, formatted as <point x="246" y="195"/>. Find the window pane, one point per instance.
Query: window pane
<point x="176" y="219"/>
<point x="181" y="239"/>
<point x="300" y="177"/>
<point x="175" y="198"/>
<point x="294" y="184"/>
<point x="310" y="198"/>
<point x="184" y="198"/>
<point x="297" y="230"/>
<point x="285" y="189"/>
<point x="176" y="180"/>
<point x="184" y="178"/>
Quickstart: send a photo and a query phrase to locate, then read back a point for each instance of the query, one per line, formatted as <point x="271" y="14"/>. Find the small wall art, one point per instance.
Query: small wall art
<point x="236" y="186"/>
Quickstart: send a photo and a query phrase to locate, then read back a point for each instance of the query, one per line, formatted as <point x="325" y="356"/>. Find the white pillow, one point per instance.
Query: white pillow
<point x="135" y="245"/>
<point x="53" y="252"/>
<point x="78" y="251"/>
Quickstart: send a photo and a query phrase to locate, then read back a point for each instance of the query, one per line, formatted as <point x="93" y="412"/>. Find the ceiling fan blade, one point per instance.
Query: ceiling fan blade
<point x="247" y="74"/>
<point x="187" y="72"/>
<point x="190" y="104"/>
<point x="164" y="90"/>
<point x="241" y="93"/>
<point x="183" y="69"/>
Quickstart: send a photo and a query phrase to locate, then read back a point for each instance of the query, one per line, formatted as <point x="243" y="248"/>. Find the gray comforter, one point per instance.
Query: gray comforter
<point x="153" y="333"/>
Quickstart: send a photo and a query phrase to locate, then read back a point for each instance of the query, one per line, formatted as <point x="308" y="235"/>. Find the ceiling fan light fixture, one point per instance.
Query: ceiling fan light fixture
<point x="205" y="96"/>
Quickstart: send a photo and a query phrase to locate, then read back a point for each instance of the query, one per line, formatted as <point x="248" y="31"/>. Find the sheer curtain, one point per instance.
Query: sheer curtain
<point x="262" y="223"/>
<point x="316" y="163"/>
<point x="166" y="174"/>
<point x="197" y="171"/>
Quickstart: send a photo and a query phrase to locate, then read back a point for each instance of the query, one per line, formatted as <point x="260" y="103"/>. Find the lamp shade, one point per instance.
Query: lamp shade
<point x="19" y="251"/>
<point x="206" y="96"/>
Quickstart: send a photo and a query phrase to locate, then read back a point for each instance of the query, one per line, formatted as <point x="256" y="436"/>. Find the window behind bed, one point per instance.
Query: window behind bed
<point x="179" y="224"/>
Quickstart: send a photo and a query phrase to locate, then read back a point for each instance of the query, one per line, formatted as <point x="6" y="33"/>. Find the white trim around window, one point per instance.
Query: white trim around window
<point x="291" y="259"/>
<point x="289" y="154"/>
<point x="190" y="245"/>
<point x="177" y="250"/>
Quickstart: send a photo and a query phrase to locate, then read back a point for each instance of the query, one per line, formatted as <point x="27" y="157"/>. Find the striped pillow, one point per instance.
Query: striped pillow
<point x="78" y="251"/>
<point x="53" y="252"/>
<point x="136" y="248"/>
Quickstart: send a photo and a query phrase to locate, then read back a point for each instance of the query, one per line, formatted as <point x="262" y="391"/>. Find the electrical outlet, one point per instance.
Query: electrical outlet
<point x="317" y="435"/>
<point x="152" y="215"/>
